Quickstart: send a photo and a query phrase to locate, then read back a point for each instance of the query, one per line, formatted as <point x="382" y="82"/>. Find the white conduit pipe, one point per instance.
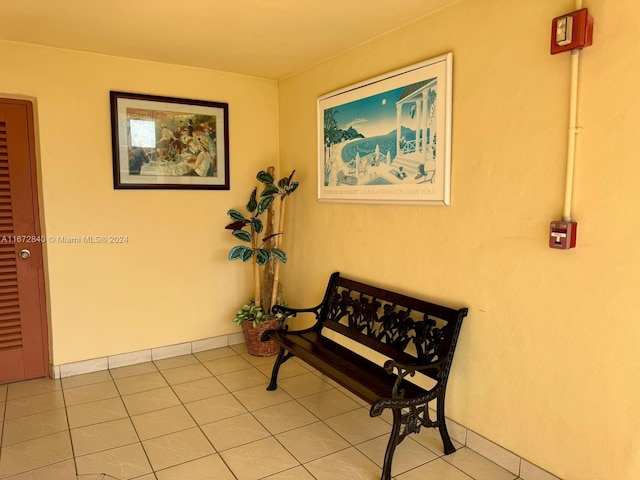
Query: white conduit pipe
<point x="573" y="129"/>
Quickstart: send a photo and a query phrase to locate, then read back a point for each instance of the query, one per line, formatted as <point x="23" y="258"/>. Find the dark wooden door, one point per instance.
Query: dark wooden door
<point x="24" y="351"/>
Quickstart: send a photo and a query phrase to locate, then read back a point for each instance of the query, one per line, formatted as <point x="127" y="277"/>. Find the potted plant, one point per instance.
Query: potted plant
<point x="262" y="245"/>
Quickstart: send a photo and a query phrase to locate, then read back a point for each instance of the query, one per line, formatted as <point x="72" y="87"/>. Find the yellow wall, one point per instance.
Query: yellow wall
<point x="171" y="283"/>
<point x="548" y="364"/>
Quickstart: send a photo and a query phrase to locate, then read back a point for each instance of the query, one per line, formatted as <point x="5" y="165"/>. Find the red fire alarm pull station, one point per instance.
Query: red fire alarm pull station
<point x="572" y="31"/>
<point x="562" y="235"/>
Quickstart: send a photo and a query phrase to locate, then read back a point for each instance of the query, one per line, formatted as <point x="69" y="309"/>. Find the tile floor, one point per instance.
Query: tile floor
<point x="208" y="416"/>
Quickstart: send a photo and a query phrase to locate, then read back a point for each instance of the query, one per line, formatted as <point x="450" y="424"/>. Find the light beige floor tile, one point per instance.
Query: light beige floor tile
<point x="328" y="403"/>
<point x="2" y="407"/>
<point x="222" y="352"/>
<point x="175" y="362"/>
<point x="496" y="453"/>
<point x="122" y="463"/>
<point x="65" y="470"/>
<point x="349" y="463"/>
<point x="287" y="370"/>
<point x="162" y="422"/>
<point x="150" y="400"/>
<point x="185" y="374"/>
<point x="215" y="408"/>
<point x="32" y="387"/>
<point x="312" y="442"/>
<point x="303" y="385"/>
<point x="199" y="389"/>
<point x="409" y="454"/>
<point x="207" y="468"/>
<point x="430" y="438"/>
<point x="233" y="432"/>
<point x="357" y="426"/>
<point x="258" y="459"/>
<point x="530" y="471"/>
<point x="96" y="412"/>
<point x="477" y="466"/>
<point x="86" y="379"/>
<point x="437" y="469"/>
<point x="257" y="361"/>
<point x="353" y="396"/>
<point x="133" y="370"/>
<point x="284" y="416"/>
<point x="90" y="393"/>
<point x="40" y="452"/>
<point x="22" y="407"/>
<point x="255" y="398"/>
<point x="177" y="448"/>
<point x="296" y="473"/>
<point x="239" y="348"/>
<point x="224" y="365"/>
<point x="103" y="436"/>
<point x="34" y="426"/>
<point x="140" y="383"/>
<point x="243" y="379"/>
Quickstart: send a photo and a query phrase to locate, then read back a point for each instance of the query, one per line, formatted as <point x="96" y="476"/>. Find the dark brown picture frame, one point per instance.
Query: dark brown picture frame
<point x="169" y="143"/>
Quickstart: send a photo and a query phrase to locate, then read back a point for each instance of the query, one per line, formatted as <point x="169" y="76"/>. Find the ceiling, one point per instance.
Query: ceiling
<point x="264" y="38"/>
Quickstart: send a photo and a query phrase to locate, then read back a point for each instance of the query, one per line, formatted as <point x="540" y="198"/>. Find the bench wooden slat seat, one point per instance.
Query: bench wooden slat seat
<point x="415" y="337"/>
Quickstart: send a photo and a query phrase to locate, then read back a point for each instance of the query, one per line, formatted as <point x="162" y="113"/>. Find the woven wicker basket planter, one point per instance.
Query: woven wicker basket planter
<point x="252" y="336"/>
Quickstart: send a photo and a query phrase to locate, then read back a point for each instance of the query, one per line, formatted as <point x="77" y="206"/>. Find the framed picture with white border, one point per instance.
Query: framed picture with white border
<point x="388" y="139"/>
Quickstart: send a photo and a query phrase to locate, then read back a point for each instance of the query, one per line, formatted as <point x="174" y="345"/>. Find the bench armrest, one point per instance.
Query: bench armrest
<point x="289" y="312"/>
<point x="285" y="313"/>
<point x="403" y="370"/>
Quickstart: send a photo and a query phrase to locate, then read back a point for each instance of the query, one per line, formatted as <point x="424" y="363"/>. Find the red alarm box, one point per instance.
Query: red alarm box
<point x="562" y="235"/>
<point x="572" y="31"/>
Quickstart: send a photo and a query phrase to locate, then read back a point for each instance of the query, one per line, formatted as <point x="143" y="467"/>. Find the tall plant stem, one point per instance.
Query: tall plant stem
<point x="276" y="274"/>
<point x="256" y="272"/>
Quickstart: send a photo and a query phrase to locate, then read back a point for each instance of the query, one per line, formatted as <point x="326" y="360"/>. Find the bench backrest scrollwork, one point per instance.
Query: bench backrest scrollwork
<point x="403" y="328"/>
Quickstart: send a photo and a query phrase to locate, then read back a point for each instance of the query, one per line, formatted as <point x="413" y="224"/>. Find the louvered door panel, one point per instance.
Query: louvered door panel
<point x="10" y="324"/>
<point x="23" y="340"/>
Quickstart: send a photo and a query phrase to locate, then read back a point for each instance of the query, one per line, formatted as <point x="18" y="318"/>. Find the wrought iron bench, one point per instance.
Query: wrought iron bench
<point x="414" y="336"/>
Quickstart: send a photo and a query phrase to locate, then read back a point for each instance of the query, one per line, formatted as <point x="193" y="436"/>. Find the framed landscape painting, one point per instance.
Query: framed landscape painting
<point x="388" y="139"/>
<point x="170" y="143"/>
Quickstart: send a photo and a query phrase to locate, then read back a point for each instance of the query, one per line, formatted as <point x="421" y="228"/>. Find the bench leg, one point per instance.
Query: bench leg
<point x="273" y="384"/>
<point x="442" y="426"/>
<point x="394" y="440"/>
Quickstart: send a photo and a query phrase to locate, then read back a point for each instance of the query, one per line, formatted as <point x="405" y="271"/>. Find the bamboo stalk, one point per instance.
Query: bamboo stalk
<point x="276" y="274"/>
<point x="256" y="271"/>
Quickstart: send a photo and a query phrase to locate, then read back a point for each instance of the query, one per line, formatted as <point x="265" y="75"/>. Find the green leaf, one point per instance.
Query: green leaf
<point x="264" y="204"/>
<point x="262" y="256"/>
<point x="247" y="254"/>
<point x="253" y="204"/>
<point x="264" y="177"/>
<point x="239" y="252"/>
<point x="257" y="225"/>
<point x="292" y="188"/>
<point x="270" y="190"/>
<point x="235" y="215"/>
<point x="283" y="182"/>
<point x="242" y="235"/>
<point x="279" y="254"/>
